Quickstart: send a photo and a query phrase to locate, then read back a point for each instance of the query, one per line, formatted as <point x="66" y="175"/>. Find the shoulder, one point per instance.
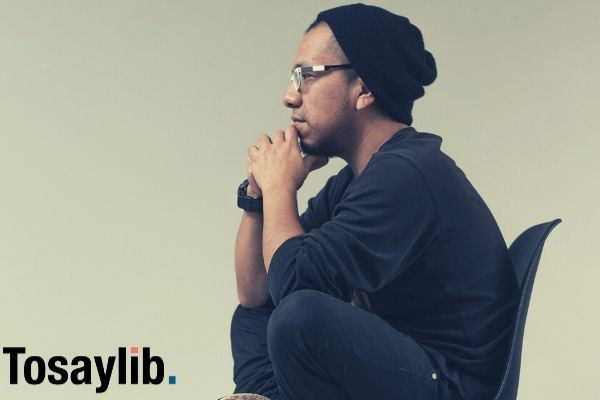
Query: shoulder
<point x="390" y="179"/>
<point x="413" y="146"/>
<point x="422" y="151"/>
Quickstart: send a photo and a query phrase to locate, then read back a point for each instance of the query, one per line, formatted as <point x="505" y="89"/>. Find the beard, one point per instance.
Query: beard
<point x="329" y="143"/>
<point x="320" y="148"/>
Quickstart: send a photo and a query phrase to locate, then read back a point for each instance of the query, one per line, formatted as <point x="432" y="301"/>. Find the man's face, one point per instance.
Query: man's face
<point x="322" y="110"/>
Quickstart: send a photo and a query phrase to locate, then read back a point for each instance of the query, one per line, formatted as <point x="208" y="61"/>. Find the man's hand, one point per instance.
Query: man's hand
<point x="253" y="189"/>
<point x="278" y="163"/>
<point x="278" y="169"/>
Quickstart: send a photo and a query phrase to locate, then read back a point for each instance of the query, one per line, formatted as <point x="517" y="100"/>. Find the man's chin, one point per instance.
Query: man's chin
<point x="308" y="148"/>
<point x="314" y="150"/>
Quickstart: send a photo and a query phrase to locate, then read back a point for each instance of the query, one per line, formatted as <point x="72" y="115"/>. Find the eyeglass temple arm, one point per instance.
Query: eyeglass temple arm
<point x="316" y="68"/>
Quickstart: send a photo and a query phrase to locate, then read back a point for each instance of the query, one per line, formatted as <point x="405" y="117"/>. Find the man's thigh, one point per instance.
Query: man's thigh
<point x="322" y="347"/>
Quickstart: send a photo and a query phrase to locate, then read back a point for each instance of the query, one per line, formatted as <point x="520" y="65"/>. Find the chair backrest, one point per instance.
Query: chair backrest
<point x="525" y="254"/>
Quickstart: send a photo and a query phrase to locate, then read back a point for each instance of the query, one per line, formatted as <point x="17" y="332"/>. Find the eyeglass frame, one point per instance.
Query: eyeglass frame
<point x="298" y="71"/>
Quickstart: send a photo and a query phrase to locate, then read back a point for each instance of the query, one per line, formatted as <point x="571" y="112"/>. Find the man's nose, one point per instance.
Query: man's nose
<point x="291" y="97"/>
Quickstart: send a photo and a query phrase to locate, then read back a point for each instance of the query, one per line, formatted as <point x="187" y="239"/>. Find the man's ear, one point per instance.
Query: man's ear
<point x="365" y="96"/>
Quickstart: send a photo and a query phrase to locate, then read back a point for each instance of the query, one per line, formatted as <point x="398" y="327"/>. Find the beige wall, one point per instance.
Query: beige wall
<point x="123" y="135"/>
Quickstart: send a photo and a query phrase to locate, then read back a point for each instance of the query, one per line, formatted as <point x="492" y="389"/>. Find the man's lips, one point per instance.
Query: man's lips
<point x="299" y="125"/>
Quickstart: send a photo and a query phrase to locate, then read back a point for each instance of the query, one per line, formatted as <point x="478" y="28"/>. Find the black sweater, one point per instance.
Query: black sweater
<point x="412" y="233"/>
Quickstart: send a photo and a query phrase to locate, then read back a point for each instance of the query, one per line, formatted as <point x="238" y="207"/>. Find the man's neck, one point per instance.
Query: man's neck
<point x="368" y="143"/>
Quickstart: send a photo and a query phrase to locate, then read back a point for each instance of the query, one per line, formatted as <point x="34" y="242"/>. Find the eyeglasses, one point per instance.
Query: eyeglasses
<point x="298" y="72"/>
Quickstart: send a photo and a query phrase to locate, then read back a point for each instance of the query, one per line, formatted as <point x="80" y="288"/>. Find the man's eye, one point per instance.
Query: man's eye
<point x="307" y="75"/>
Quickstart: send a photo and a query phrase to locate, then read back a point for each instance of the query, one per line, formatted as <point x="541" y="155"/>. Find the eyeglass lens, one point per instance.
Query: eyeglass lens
<point x="296" y="78"/>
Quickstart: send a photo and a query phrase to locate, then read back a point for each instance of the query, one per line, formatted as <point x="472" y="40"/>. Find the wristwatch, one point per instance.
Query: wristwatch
<point x="246" y="202"/>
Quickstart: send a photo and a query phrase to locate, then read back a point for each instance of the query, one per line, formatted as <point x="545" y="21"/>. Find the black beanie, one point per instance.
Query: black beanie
<point x="387" y="52"/>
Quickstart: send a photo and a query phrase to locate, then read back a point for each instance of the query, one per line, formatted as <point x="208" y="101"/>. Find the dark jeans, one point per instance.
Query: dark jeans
<point x="313" y="346"/>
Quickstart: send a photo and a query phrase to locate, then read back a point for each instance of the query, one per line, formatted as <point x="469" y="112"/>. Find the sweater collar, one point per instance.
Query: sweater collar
<point x="397" y="137"/>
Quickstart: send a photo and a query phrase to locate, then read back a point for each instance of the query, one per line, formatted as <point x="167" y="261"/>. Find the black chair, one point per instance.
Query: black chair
<point x="525" y="254"/>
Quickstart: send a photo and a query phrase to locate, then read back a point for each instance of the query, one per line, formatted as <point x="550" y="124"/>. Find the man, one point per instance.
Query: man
<point x="395" y="283"/>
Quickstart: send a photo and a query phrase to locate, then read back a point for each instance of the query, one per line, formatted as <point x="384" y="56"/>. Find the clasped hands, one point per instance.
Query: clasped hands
<point x="278" y="163"/>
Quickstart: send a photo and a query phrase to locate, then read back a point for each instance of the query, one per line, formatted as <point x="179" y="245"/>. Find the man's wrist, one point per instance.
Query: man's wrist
<point x="246" y="202"/>
<point x="280" y="197"/>
<point x="281" y="188"/>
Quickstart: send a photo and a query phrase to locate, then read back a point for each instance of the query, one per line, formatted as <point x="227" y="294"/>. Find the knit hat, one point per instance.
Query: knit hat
<point x="387" y="52"/>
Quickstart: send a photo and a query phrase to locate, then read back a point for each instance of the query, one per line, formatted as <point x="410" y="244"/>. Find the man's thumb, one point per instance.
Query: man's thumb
<point x="312" y="162"/>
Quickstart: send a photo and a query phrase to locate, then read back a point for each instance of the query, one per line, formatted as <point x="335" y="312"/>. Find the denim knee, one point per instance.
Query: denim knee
<point x="299" y="315"/>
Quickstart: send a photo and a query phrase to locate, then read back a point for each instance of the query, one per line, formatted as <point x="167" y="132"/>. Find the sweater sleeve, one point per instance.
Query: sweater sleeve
<point x="320" y="207"/>
<point x="384" y="221"/>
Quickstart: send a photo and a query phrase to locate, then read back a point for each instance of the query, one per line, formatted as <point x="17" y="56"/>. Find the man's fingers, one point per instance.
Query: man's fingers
<point x="252" y="150"/>
<point x="291" y="135"/>
<point x="279" y="136"/>
<point x="264" y="141"/>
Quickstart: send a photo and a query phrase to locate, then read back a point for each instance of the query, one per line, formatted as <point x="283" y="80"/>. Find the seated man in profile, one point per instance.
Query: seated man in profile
<point x="395" y="283"/>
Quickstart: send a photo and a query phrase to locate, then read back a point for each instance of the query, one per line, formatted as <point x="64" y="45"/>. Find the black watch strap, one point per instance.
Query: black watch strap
<point x="246" y="202"/>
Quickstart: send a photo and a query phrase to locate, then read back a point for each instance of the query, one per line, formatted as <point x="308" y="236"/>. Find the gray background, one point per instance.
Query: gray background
<point x="123" y="135"/>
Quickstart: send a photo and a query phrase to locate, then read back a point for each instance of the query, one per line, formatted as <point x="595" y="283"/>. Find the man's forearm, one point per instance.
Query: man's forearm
<point x="251" y="276"/>
<point x="281" y="220"/>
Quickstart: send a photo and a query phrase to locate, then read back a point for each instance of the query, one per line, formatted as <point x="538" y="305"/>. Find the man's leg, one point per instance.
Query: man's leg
<point x="252" y="368"/>
<point x="324" y="348"/>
